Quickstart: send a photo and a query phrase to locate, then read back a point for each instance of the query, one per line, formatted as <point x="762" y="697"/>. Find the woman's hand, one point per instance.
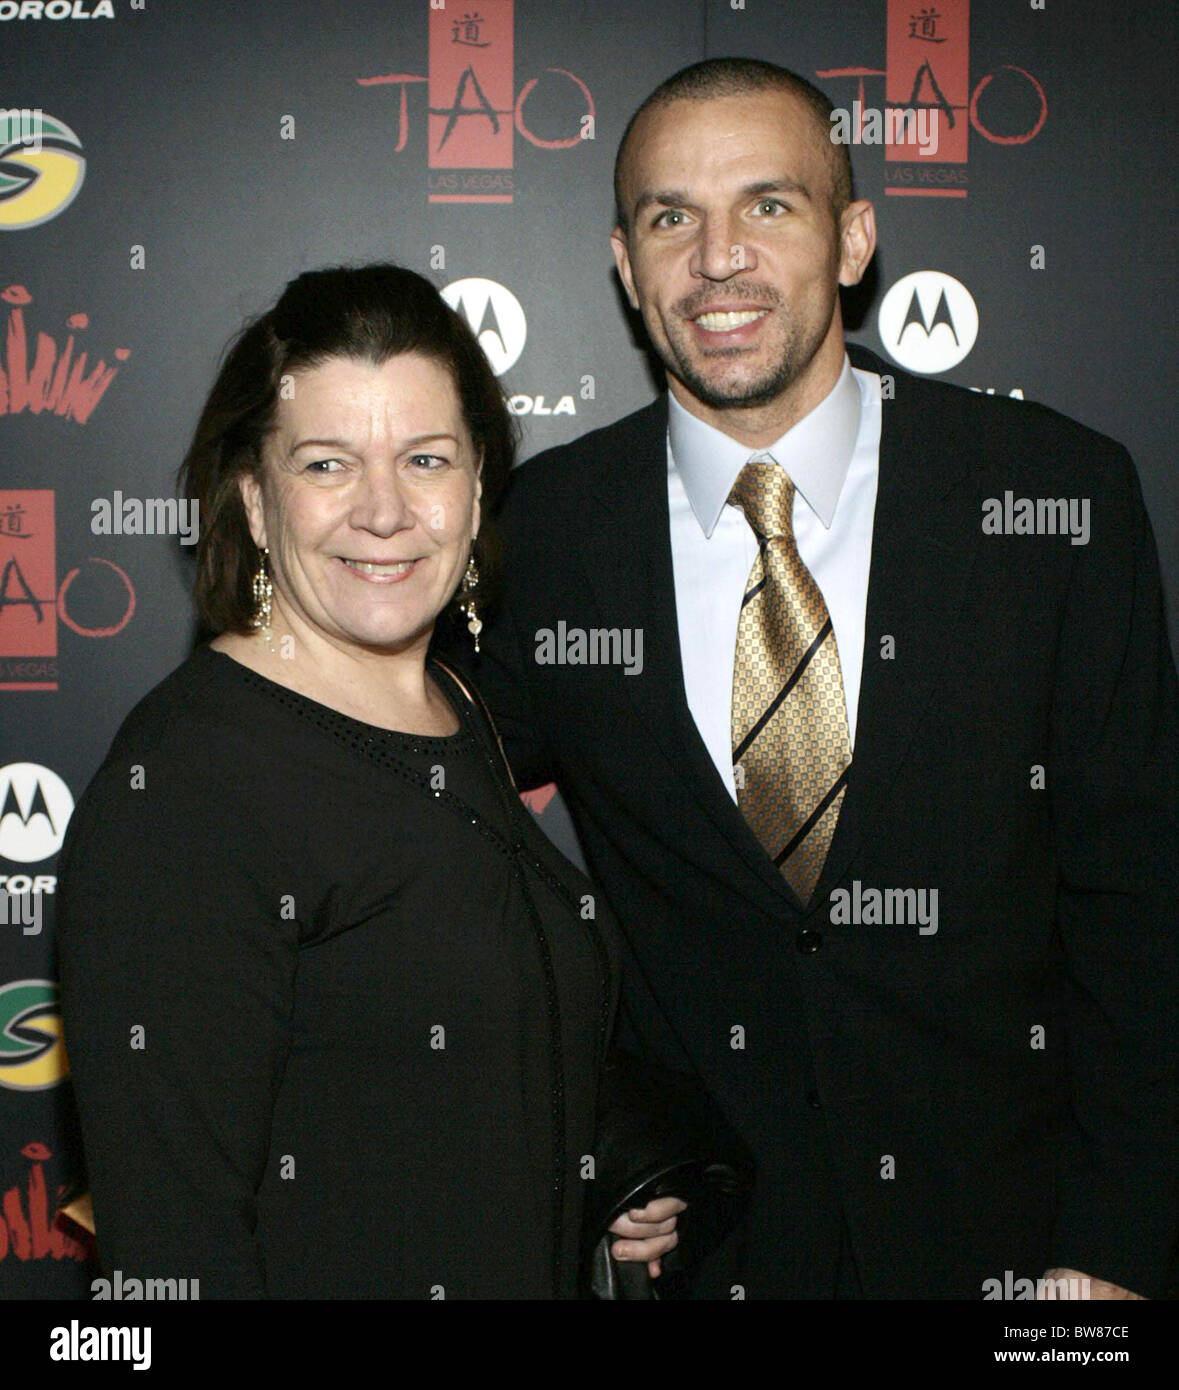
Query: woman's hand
<point x="649" y="1232"/>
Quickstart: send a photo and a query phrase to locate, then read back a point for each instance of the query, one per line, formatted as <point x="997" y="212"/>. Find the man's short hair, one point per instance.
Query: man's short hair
<point x="725" y="77"/>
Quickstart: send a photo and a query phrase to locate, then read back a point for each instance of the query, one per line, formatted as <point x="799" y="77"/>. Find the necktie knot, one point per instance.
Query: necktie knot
<point x="765" y="493"/>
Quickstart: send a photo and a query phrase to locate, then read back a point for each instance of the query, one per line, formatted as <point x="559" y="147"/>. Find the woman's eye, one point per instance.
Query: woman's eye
<point x="324" y="466"/>
<point x="429" y="462"/>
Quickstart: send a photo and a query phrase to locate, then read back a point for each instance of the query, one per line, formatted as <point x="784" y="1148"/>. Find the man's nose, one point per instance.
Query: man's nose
<point x="719" y="252"/>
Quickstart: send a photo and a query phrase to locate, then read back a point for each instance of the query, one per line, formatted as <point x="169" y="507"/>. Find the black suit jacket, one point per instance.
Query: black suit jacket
<point x="996" y="1096"/>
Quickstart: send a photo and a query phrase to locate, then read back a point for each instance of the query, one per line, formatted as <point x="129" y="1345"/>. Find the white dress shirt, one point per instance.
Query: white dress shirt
<point x="833" y="456"/>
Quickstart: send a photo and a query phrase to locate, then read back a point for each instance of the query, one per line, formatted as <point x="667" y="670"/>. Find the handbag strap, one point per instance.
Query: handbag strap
<point x="480" y="704"/>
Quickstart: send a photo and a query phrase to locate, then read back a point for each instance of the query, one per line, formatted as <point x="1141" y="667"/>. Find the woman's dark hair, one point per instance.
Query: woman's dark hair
<point x="371" y="312"/>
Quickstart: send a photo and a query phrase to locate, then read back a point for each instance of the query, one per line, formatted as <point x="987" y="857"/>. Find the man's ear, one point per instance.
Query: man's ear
<point x="251" y="495"/>
<point x="618" y="245"/>
<point x="857" y="241"/>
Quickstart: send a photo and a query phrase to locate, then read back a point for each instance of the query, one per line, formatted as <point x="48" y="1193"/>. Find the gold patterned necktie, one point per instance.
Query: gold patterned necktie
<point x="791" y="749"/>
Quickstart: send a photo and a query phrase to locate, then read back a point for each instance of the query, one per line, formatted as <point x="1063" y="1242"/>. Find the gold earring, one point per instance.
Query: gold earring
<point x="467" y="604"/>
<point x="263" y="593"/>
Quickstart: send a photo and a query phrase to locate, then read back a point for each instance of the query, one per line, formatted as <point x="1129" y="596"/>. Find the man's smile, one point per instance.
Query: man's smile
<point x="724" y="321"/>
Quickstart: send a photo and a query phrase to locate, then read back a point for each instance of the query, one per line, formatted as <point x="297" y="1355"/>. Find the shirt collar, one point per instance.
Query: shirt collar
<point x="816" y="453"/>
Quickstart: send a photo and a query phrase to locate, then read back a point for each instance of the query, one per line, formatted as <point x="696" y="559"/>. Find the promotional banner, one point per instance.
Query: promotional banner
<point x="167" y="165"/>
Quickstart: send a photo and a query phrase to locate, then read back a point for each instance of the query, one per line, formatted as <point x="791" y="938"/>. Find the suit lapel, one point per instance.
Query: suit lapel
<point x="633" y="584"/>
<point x="922" y="555"/>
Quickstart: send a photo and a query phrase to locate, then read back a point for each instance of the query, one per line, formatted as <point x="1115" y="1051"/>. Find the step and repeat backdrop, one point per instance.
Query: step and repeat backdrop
<point x="167" y="165"/>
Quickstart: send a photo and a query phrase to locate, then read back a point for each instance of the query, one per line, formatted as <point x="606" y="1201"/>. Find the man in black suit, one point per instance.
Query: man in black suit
<point x="881" y="787"/>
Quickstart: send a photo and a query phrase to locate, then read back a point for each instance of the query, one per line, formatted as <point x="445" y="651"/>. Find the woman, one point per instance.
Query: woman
<point x="336" y="1008"/>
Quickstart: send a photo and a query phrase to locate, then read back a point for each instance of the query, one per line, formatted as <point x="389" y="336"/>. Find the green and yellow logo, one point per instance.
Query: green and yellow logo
<point x="41" y="168"/>
<point x="32" y="1053"/>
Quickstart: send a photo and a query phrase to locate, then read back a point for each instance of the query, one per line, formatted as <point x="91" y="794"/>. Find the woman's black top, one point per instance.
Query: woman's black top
<point x="334" y="1006"/>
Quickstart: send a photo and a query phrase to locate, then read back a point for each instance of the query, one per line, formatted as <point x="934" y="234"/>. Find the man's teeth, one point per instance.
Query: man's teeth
<point x="725" y="322"/>
<point x="363" y="567"/>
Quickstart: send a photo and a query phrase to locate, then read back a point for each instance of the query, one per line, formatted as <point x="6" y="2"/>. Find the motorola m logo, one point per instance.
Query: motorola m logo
<point x="35" y="809"/>
<point x="928" y="322"/>
<point x="494" y="315"/>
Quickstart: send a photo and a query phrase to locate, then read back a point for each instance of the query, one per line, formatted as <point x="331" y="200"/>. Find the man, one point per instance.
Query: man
<point x="886" y="805"/>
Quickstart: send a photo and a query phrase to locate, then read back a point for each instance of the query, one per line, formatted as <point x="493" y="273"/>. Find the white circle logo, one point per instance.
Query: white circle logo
<point x="928" y="322"/>
<point x="495" y="317"/>
<point x="35" y="808"/>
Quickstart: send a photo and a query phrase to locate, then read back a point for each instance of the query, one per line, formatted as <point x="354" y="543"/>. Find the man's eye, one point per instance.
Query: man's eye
<point x="771" y="207"/>
<point x="664" y="219"/>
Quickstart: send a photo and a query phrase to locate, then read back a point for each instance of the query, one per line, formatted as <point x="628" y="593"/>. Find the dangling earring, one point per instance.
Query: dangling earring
<point x="263" y="592"/>
<point x="467" y="604"/>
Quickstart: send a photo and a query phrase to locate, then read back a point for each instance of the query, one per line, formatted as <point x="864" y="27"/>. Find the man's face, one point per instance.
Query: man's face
<point x="733" y="257"/>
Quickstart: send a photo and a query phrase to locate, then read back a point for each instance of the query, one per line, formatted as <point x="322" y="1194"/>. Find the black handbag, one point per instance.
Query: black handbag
<point x="660" y="1134"/>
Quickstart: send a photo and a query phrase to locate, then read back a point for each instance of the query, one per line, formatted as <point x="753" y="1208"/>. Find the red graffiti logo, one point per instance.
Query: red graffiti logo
<point x="56" y="381"/>
<point x="27" y="1229"/>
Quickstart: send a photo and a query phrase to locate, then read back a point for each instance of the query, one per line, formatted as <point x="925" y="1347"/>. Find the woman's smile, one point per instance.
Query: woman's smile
<point x="382" y="571"/>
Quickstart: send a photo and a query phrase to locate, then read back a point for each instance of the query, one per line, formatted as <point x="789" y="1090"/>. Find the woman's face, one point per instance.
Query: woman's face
<point x="368" y="501"/>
